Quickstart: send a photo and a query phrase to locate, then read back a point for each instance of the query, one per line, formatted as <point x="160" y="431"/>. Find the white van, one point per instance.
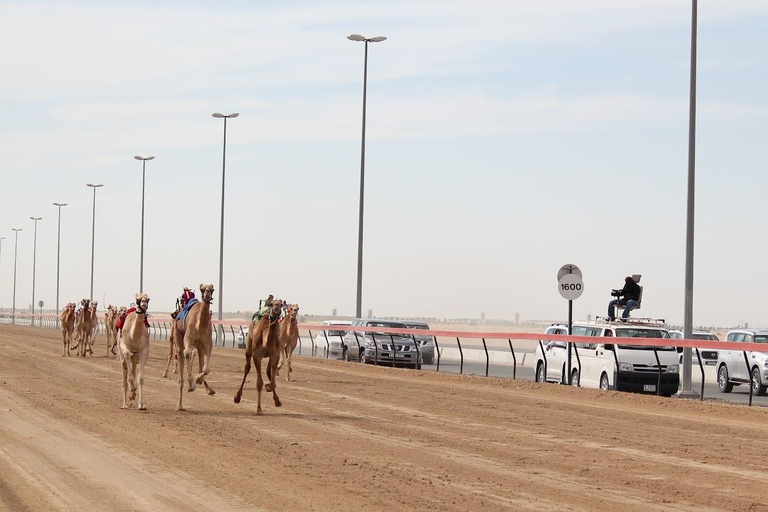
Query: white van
<point x="637" y="369"/>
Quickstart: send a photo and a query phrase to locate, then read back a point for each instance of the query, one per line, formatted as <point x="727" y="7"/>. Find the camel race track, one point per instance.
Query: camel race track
<point x="357" y="437"/>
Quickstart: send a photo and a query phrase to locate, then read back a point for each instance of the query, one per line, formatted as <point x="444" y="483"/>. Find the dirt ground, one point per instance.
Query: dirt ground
<point x="353" y="437"/>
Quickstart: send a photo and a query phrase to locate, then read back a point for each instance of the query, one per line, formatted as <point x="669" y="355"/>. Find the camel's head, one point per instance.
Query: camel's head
<point x="293" y="311"/>
<point x="85" y="303"/>
<point x="142" y="302"/>
<point x="206" y="292"/>
<point x="276" y="308"/>
<point x="95" y="304"/>
<point x="122" y="310"/>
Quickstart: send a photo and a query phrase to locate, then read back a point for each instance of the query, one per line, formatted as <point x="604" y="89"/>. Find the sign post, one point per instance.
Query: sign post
<point x="570" y="286"/>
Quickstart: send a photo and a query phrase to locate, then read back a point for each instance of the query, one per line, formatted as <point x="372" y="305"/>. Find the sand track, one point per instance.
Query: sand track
<point x="358" y="437"/>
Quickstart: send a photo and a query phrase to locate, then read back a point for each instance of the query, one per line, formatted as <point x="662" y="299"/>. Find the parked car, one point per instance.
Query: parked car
<point x="425" y="342"/>
<point x="329" y="343"/>
<point x="732" y="367"/>
<point x="708" y="355"/>
<point x="379" y="347"/>
<point x="242" y="337"/>
<point x="637" y="369"/>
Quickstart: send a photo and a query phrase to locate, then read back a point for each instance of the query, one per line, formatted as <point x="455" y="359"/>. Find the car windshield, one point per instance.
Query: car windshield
<point x="390" y="325"/>
<point x="638" y="332"/>
<point x="417" y="326"/>
<point x="705" y="337"/>
<point x="337" y="333"/>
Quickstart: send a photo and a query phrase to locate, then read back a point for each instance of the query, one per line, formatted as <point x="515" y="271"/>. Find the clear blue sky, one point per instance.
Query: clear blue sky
<point x="505" y="138"/>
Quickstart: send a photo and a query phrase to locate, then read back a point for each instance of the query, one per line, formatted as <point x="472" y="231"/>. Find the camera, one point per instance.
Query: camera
<point x="616" y="293"/>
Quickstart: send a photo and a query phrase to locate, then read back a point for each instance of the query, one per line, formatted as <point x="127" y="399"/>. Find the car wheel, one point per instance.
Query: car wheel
<point x="429" y="360"/>
<point x="345" y="356"/>
<point x="757" y="388"/>
<point x="604" y="384"/>
<point x="540" y="377"/>
<point x="361" y="358"/>
<point x="575" y="378"/>
<point x="722" y="380"/>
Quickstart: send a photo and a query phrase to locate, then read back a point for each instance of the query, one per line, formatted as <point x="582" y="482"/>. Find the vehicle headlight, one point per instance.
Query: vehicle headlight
<point x="672" y="368"/>
<point x="765" y="363"/>
<point x="625" y="367"/>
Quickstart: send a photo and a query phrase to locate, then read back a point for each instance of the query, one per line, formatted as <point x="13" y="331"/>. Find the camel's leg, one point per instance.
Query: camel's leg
<point x="180" y="361"/>
<point x="247" y="369"/>
<point x="170" y="357"/>
<point x="204" y="370"/>
<point x="203" y="363"/>
<point x="289" y="350"/>
<point x="143" y="355"/>
<point x="134" y="358"/>
<point x="188" y="361"/>
<point x="124" y="366"/>
<point x="259" y="383"/>
<point x="273" y="378"/>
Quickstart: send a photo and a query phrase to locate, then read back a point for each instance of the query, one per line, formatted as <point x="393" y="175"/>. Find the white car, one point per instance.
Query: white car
<point x="329" y="343"/>
<point x="732" y="364"/>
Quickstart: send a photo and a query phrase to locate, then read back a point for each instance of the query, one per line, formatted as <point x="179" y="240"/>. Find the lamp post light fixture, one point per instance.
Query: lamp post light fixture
<point x="15" y="254"/>
<point x="34" y="261"/>
<point x="143" y="181"/>
<point x="93" y="231"/>
<point x="221" y="238"/>
<point x="58" y="255"/>
<point x="359" y="300"/>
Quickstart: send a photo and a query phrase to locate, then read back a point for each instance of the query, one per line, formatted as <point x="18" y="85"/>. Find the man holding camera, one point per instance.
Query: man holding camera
<point x="629" y="297"/>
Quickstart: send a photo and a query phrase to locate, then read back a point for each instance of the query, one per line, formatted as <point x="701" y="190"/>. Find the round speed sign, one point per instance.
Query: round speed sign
<point x="570" y="286"/>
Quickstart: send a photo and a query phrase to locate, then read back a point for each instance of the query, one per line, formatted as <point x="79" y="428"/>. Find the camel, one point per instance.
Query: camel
<point x="67" y="326"/>
<point x="289" y="338"/>
<point x="263" y="340"/>
<point x="133" y="341"/>
<point x="94" y="321"/>
<point x="83" y="329"/>
<point x="195" y="333"/>
<point x="110" y="318"/>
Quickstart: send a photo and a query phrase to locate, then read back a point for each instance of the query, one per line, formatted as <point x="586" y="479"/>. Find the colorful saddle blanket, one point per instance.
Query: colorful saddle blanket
<point x="121" y="320"/>
<point x="185" y="310"/>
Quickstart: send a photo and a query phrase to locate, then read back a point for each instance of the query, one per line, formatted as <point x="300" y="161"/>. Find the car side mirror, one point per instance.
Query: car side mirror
<point x="608" y="346"/>
<point x="679" y="349"/>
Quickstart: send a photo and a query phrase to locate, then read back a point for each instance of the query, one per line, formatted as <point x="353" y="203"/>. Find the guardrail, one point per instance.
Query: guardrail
<point x="160" y="329"/>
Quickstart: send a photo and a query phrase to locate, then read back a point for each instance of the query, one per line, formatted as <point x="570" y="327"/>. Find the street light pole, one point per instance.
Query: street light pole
<point x="58" y="254"/>
<point x="34" y="261"/>
<point x="93" y="232"/>
<point x="143" y="180"/>
<point x="359" y="299"/>
<point x="221" y="238"/>
<point x="1" y="254"/>
<point x="688" y="317"/>
<point x="15" y="254"/>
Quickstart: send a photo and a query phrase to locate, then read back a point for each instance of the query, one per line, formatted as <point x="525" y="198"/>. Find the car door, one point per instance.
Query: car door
<point x="736" y="366"/>
<point x="588" y="356"/>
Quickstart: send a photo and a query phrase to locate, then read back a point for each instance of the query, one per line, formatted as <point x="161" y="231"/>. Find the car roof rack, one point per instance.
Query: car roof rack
<point x="654" y="322"/>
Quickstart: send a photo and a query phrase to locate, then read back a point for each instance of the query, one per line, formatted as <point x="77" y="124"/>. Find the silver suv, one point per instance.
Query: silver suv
<point x="425" y="341"/>
<point x="381" y="347"/>
<point x="732" y="367"/>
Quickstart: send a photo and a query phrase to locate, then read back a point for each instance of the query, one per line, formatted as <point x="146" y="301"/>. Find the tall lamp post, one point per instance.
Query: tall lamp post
<point x="58" y="255"/>
<point x="34" y="261"/>
<point x="15" y="253"/>
<point x="359" y="301"/>
<point x="221" y="238"/>
<point x="93" y="232"/>
<point x="688" y="315"/>
<point x="1" y="254"/>
<point x="143" y="181"/>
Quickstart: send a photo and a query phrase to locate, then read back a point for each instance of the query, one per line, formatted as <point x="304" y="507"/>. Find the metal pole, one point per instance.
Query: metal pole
<point x="359" y="302"/>
<point x="570" y="327"/>
<point x="58" y="259"/>
<point x="34" y="268"/>
<point x="15" y="254"/>
<point x="221" y="238"/>
<point x="143" y="180"/>
<point x="93" y="240"/>
<point x="688" y="321"/>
